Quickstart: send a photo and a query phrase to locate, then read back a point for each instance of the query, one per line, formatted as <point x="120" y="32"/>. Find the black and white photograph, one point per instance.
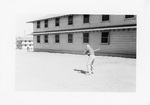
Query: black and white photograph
<point x="79" y="52"/>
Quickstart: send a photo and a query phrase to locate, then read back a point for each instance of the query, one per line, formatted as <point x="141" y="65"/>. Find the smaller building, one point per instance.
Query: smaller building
<point x="24" y="43"/>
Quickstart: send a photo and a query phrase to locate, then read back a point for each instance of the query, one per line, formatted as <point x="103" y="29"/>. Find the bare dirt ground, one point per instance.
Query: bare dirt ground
<point x="42" y="71"/>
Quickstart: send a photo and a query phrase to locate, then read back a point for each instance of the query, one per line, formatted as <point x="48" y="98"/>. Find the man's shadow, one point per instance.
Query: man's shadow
<point x="80" y="71"/>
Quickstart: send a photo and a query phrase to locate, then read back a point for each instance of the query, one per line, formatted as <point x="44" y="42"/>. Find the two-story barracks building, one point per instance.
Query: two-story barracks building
<point x="115" y="35"/>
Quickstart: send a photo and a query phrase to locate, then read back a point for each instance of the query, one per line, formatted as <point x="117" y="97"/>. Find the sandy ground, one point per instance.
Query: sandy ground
<point x="42" y="71"/>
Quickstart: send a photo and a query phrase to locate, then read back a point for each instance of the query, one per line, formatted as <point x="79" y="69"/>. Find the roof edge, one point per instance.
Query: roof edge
<point x="49" y="18"/>
<point x="111" y="26"/>
<point x="85" y="30"/>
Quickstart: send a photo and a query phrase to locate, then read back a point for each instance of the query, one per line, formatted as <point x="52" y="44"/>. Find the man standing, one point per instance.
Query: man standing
<point x="90" y="52"/>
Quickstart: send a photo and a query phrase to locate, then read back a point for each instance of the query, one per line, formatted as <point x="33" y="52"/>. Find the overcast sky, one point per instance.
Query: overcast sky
<point x="23" y="28"/>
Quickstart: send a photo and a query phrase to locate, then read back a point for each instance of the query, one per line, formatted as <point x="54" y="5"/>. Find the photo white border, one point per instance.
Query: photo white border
<point x="8" y="95"/>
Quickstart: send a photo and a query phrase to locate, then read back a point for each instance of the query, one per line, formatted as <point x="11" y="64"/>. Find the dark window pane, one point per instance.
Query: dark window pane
<point x="85" y="18"/>
<point x="70" y="38"/>
<point x="38" y="24"/>
<point x="105" y="34"/>
<point x="129" y="16"/>
<point x="70" y="20"/>
<point x="57" y="22"/>
<point x="56" y="38"/>
<point x="105" y="17"/>
<point x="38" y="39"/>
<point x="46" y="23"/>
<point x="104" y="40"/>
<point x="85" y="37"/>
<point x="105" y="37"/>
<point x="46" y="38"/>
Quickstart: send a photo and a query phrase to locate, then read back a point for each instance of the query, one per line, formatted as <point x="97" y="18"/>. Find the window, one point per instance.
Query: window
<point x="38" y="24"/>
<point x="38" y="39"/>
<point x="57" y="22"/>
<point x="105" y="17"/>
<point x="70" y="38"/>
<point x="70" y="20"/>
<point x="85" y="37"/>
<point x="46" y="23"/>
<point x="105" y="38"/>
<point x="46" y="38"/>
<point x="56" y="38"/>
<point x="85" y="18"/>
<point x="129" y="16"/>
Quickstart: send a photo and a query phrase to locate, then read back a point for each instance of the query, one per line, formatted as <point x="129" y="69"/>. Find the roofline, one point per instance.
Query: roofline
<point x="49" y="18"/>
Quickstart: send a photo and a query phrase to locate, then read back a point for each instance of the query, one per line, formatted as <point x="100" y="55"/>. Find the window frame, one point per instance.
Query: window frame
<point x="108" y="37"/>
<point x="46" y="38"/>
<point x="70" y="20"/>
<point x="104" y="18"/>
<point x="57" y="21"/>
<point x="38" y="39"/>
<point x="38" y="24"/>
<point x="46" y="23"/>
<point x="70" y="38"/>
<point x="85" y="38"/>
<point x="57" y="39"/>
<point x="86" y="19"/>
<point x="128" y="18"/>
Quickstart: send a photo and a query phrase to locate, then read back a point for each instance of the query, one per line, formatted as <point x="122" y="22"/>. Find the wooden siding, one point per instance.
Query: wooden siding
<point x="95" y="21"/>
<point x="121" y="42"/>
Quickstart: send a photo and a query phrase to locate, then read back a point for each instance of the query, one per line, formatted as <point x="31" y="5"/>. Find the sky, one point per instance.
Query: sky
<point x="22" y="27"/>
